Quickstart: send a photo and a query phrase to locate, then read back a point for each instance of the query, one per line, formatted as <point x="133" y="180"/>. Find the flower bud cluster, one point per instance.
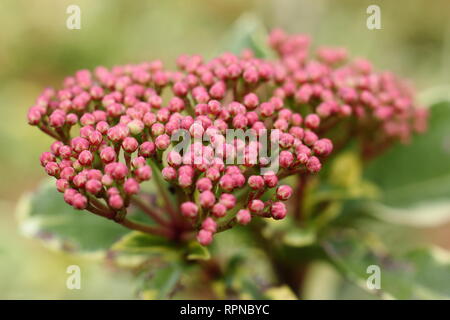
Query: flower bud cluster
<point x="112" y="125"/>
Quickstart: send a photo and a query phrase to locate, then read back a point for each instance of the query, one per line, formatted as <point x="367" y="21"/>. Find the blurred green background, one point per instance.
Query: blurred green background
<point x="37" y="50"/>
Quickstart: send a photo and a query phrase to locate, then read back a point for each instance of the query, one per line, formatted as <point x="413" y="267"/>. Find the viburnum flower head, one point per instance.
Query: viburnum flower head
<point x="116" y="129"/>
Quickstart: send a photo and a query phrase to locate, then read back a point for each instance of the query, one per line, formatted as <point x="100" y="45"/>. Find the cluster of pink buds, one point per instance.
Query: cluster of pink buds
<point x="130" y="119"/>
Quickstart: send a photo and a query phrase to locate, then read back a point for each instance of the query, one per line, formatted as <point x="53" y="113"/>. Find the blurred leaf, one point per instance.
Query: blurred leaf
<point x="138" y="242"/>
<point x="197" y="252"/>
<point x="248" y="32"/>
<point x="45" y="215"/>
<point x="431" y="214"/>
<point x="299" y="237"/>
<point x="280" y="293"/>
<point x="419" y="274"/>
<point x="419" y="172"/>
<point x="162" y="283"/>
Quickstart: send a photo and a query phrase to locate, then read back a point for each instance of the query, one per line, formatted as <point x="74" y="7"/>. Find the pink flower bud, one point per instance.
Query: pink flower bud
<point x="79" y="201"/>
<point x="47" y="157"/>
<point x="117" y="170"/>
<point x="313" y="164"/>
<point x="85" y="158"/>
<point x="108" y="155"/>
<point x="278" y="210"/>
<point x="169" y="173"/>
<point x="143" y="173"/>
<point x="219" y="210"/>
<point x="243" y="217"/>
<point x="130" y="144"/>
<point x="270" y="179"/>
<point x="67" y="173"/>
<point x="136" y="127"/>
<point x="286" y="159"/>
<point x="93" y="186"/>
<point x="204" y="184"/>
<point x="251" y="100"/>
<point x="162" y="142"/>
<point x="131" y="186"/>
<point x="256" y="206"/>
<point x="323" y="147"/>
<point x="284" y="192"/>
<point x="309" y="138"/>
<point x="79" y="144"/>
<point x="226" y="182"/>
<point x="204" y="237"/>
<point x="52" y="169"/>
<point x="256" y="182"/>
<point x="209" y="225"/>
<point x="62" y="185"/>
<point x="312" y="121"/>
<point x="207" y="199"/>
<point x="116" y="202"/>
<point x="189" y="209"/>
<point x="228" y="200"/>
<point x="147" y="149"/>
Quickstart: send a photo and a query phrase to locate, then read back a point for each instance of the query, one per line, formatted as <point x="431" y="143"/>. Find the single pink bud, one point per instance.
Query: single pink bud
<point x="228" y="200"/>
<point x="62" y="185"/>
<point x="209" y="225"/>
<point x="57" y="119"/>
<point x="67" y="173"/>
<point x="189" y="209"/>
<point x="115" y="201"/>
<point x="138" y="162"/>
<point x="267" y="109"/>
<point x="136" y="126"/>
<point x="107" y="180"/>
<point x="95" y="174"/>
<point x="286" y="159"/>
<point x="52" y="169"/>
<point x="143" y="173"/>
<point x="243" y="216"/>
<point x="312" y="121"/>
<point x="219" y="210"/>
<point x="118" y="170"/>
<point x="169" y="173"/>
<point x="284" y="192"/>
<point x="131" y="186"/>
<point x="226" y="182"/>
<point x="204" y="184"/>
<point x="87" y="119"/>
<point x="79" y="201"/>
<point x="204" y="237"/>
<point x="85" y="158"/>
<point x="207" y="199"/>
<point x="251" y="101"/>
<point x="108" y="155"/>
<point x="270" y="179"/>
<point x="256" y="206"/>
<point x="34" y="116"/>
<point x="93" y="186"/>
<point x="95" y="138"/>
<point x="162" y="142"/>
<point x="102" y="127"/>
<point x="323" y="147"/>
<point x="313" y="164"/>
<point x="130" y="144"/>
<point x="256" y="182"/>
<point x="278" y="210"/>
<point x="309" y="138"/>
<point x="80" y="180"/>
<point x="147" y="149"/>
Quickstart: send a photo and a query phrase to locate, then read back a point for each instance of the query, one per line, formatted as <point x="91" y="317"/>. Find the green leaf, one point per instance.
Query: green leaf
<point x="197" y="252"/>
<point x="420" y="171"/>
<point x="162" y="283"/>
<point x="138" y="242"/>
<point x="419" y="274"/>
<point x="248" y="32"/>
<point x="45" y="215"/>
